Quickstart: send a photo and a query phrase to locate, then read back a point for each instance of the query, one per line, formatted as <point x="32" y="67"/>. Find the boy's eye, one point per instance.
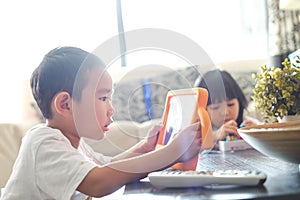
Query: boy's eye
<point x="104" y="98"/>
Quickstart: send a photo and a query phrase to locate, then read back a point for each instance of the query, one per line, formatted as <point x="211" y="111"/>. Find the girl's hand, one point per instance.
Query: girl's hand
<point x="248" y="122"/>
<point x="187" y="142"/>
<point x="228" y="127"/>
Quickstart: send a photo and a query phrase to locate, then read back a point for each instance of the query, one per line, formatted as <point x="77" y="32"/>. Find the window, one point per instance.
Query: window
<point x="226" y="30"/>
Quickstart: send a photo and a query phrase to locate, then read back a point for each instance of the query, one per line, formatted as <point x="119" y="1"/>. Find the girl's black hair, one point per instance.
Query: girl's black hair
<point x="221" y="86"/>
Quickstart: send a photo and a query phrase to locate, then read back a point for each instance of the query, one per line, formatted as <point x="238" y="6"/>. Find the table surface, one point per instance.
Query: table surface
<point x="283" y="180"/>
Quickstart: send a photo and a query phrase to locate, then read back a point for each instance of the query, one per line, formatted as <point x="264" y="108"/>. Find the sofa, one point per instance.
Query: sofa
<point x="138" y="100"/>
<point x="10" y="141"/>
<point x="140" y="96"/>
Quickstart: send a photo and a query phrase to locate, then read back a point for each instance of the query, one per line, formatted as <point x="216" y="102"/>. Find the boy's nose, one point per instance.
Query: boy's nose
<point x="110" y="112"/>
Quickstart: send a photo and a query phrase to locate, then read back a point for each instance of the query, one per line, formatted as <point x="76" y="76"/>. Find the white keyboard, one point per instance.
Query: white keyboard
<point x="175" y="178"/>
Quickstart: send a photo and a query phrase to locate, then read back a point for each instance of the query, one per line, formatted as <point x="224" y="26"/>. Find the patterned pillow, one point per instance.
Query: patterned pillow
<point x="129" y="98"/>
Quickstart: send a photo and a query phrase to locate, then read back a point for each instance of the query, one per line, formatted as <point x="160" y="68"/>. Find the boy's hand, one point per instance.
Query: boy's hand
<point x="151" y="139"/>
<point x="187" y="142"/>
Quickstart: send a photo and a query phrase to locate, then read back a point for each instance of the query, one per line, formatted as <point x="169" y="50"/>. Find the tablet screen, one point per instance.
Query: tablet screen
<point x="180" y="114"/>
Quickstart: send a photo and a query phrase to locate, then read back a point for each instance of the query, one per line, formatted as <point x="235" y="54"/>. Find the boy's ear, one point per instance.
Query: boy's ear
<point x="63" y="103"/>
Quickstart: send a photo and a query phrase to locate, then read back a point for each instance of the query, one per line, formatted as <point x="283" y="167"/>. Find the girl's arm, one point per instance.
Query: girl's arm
<point x="230" y="127"/>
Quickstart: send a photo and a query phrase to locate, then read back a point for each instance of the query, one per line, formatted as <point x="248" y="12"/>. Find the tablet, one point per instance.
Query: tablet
<point x="182" y="108"/>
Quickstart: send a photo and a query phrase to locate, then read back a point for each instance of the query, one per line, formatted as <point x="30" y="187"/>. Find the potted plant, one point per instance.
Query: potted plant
<point x="277" y="90"/>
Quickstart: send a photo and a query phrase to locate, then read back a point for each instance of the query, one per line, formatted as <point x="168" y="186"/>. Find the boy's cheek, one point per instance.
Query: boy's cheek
<point x="89" y="127"/>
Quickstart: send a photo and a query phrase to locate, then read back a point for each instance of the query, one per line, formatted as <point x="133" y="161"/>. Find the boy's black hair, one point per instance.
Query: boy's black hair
<point x="58" y="71"/>
<point x="221" y="86"/>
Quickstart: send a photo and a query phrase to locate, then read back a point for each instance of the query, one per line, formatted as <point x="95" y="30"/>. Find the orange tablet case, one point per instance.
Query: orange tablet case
<point x="199" y="113"/>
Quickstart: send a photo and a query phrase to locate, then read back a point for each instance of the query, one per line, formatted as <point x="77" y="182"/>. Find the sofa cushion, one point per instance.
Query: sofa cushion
<point x="11" y="138"/>
<point x="129" y="94"/>
<point x="132" y="103"/>
<point x="121" y="136"/>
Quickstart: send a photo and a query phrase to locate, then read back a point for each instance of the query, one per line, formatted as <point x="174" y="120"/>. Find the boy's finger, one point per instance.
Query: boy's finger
<point x="196" y="125"/>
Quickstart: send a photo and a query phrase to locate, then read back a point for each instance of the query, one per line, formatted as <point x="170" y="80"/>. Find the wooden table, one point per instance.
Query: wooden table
<point x="283" y="181"/>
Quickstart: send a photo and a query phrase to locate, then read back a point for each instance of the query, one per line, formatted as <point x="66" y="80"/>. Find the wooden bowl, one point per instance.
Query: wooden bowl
<point x="278" y="140"/>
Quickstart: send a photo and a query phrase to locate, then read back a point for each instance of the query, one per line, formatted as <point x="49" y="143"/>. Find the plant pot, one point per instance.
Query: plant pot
<point x="289" y="118"/>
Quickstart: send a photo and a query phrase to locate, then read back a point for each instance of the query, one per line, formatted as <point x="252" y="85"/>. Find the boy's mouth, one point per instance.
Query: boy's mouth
<point x="107" y="125"/>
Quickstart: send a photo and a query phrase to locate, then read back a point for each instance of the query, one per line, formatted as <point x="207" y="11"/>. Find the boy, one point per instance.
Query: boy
<point x="73" y="91"/>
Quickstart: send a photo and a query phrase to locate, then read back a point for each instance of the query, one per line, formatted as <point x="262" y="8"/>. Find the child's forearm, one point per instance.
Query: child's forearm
<point x="136" y="150"/>
<point x="101" y="181"/>
<point x="150" y="161"/>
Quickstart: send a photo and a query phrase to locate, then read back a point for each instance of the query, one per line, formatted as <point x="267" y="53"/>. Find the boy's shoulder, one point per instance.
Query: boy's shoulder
<point x="38" y="129"/>
<point x="41" y="132"/>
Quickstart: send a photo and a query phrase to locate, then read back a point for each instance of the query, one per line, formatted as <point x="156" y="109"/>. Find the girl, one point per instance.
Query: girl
<point x="226" y="103"/>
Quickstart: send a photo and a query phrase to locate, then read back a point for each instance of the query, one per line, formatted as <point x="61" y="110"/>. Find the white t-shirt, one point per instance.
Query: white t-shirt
<point x="49" y="167"/>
